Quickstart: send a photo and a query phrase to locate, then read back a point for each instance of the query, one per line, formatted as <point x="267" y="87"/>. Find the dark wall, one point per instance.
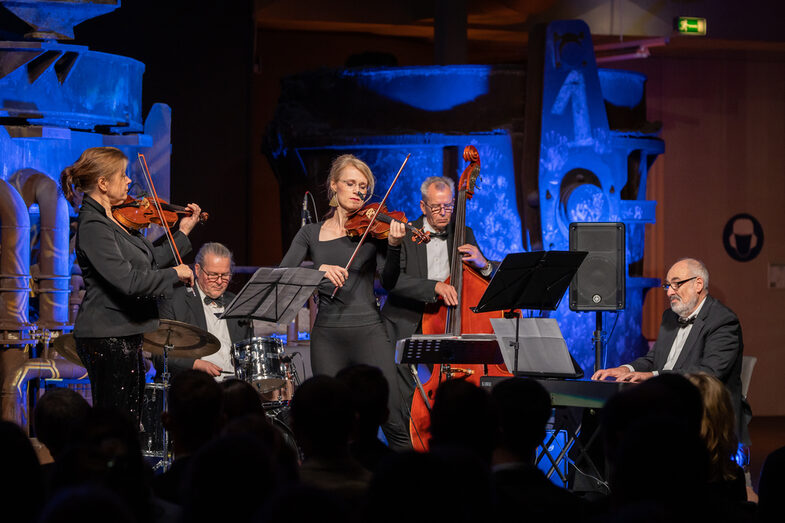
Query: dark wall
<point x="198" y="61"/>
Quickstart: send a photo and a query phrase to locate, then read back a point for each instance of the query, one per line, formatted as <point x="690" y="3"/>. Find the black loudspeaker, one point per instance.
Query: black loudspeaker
<point x="599" y="284"/>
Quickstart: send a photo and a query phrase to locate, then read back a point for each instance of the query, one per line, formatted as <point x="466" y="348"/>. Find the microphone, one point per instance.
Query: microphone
<point x="304" y="215"/>
<point x="361" y="195"/>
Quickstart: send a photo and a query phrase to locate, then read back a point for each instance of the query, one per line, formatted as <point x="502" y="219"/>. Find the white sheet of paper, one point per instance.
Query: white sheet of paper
<point x="542" y="346"/>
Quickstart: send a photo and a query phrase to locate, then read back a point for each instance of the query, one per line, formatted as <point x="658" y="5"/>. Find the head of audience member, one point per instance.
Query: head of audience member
<point x="524" y="408"/>
<point x="464" y="416"/>
<point x="304" y="503"/>
<point x="20" y="498"/>
<point x="106" y="451"/>
<point x="240" y="398"/>
<point x="213" y="269"/>
<point x="57" y="414"/>
<point x="281" y="445"/>
<point x="370" y="393"/>
<point x="230" y="478"/>
<point x="668" y="394"/>
<point x="687" y="284"/>
<point x="322" y="417"/>
<point x="445" y="484"/>
<point x="350" y="184"/>
<point x="653" y="444"/>
<point x="718" y="426"/>
<point x="89" y="503"/>
<point x="438" y="201"/>
<point x="195" y="411"/>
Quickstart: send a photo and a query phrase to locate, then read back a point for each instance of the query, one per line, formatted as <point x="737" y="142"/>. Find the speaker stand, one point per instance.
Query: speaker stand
<point x="599" y="342"/>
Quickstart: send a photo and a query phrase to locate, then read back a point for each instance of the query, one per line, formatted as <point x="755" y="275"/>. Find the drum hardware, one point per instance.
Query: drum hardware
<point x="191" y="341"/>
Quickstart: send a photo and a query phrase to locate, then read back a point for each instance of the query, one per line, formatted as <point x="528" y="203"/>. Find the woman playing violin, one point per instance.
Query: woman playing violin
<point x="123" y="274"/>
<point x="348" y="328"/>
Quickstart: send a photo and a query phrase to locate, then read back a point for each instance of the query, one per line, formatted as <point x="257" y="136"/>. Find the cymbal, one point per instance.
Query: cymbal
<point x="65" y="345"/>
<point x="188" y="341"/>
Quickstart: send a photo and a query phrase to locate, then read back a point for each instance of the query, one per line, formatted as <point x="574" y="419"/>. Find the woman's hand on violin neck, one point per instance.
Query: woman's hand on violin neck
<point x="189" y="222"/>
<point x="335" y="273"/>
<point x="397" y="232"/>
<point x="185" y="274"/>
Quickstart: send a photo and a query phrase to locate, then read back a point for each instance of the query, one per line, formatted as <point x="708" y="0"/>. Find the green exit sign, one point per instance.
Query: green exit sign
<point x="688" y="25"/>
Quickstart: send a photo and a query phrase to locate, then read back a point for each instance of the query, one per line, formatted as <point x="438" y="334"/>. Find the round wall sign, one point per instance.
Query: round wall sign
<point x="743" y="237"/>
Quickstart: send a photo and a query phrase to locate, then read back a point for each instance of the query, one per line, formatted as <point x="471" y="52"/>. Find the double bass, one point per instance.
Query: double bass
<point x="439" y="318"/>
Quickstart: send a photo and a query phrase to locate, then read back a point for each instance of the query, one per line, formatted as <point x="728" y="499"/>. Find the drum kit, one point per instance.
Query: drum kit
<point x="260" y="361"/>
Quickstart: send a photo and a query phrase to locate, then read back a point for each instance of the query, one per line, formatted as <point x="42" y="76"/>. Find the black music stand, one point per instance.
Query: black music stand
<point x="530" y="280"/>
<point x="274" y="294"/>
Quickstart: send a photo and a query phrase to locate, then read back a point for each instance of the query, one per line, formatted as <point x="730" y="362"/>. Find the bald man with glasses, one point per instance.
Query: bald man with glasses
<point x="697" y="334"/>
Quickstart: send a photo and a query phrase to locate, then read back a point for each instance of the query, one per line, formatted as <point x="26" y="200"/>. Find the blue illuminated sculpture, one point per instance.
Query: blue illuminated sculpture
<point x="590" y="161"/>
<point x="58" y="99"/>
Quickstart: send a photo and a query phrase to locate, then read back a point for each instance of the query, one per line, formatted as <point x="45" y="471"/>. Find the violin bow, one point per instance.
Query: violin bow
<point x="151" y="187"/>
<point x="373" y="219"/>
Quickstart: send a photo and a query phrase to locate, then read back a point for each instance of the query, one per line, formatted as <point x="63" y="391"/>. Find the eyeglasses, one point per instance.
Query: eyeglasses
<point x="676" y="284"/>
<point x="351" y="184"/>
<point x="441" y="207"/>
<point x="213" y="277"/>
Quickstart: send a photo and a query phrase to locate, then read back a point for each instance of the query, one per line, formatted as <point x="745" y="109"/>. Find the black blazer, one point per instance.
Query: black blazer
<point x="123" y="275"/>
<point x="402" y="312"/>
<point x="714" y="346"/>
<point x="186" y="307"/>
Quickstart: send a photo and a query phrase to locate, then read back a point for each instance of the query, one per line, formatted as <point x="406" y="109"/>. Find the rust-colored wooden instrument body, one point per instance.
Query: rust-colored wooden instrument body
<point x="442" y="319"/>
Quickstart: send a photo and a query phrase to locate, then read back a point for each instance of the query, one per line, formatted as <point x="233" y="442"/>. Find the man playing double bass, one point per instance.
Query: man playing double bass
<point x="424" y="267"/>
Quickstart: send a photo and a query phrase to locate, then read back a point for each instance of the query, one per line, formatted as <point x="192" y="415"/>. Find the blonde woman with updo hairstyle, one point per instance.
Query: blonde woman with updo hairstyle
<point x="348" y="329"/>
<point x="124" y="275"/>
<point x="719" y="434"/>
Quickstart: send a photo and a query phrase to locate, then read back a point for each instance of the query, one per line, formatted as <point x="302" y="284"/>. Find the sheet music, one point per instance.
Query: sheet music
<point x="274" y="294"/>
<point x="542" y="347"/>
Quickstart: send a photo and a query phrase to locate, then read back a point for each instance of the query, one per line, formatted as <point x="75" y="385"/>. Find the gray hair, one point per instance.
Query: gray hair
<point x="441" y="182"/>
<point x="698" y="268"/>
<point x="216" y="249"/>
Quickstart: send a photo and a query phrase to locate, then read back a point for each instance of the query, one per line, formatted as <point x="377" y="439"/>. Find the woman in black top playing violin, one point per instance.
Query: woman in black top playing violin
<point x="348" y="329"/>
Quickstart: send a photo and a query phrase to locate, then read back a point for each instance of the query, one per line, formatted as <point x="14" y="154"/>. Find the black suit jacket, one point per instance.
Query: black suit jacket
<point x="188" y="308"/>
<point x="402" y="312"/>
<point x="714" y="346"/>
<point x="123" y="273"/>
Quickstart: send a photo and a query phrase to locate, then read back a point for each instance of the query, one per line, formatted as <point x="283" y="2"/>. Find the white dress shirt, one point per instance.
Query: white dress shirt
<point x="438" y="257"/>
<point x="678" y="343"/>
<point x="219" y="329"/>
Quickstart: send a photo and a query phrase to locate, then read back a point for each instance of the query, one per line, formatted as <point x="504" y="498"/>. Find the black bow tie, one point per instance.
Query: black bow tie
<point x="683" y="322"/>
<point x="441" y="235"/>
<point x="219" y="301"/>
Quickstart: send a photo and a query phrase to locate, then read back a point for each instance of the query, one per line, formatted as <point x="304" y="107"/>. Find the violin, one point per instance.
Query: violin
<point x="358" y="223"/>
<point x="141" y="213"/>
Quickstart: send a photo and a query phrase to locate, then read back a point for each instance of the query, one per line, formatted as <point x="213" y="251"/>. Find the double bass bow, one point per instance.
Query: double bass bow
<point x="440" y="318"/>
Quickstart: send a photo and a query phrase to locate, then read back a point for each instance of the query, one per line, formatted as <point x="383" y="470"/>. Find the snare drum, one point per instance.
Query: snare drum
<point x="258" y="361"/>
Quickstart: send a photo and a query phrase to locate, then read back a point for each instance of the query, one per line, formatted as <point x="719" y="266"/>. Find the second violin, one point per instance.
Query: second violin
<point x="358" y="222"/>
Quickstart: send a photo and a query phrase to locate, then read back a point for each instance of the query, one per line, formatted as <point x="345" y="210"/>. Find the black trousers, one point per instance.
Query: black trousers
<point x="335" y="348"/>
<point x="116" y="370"/>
